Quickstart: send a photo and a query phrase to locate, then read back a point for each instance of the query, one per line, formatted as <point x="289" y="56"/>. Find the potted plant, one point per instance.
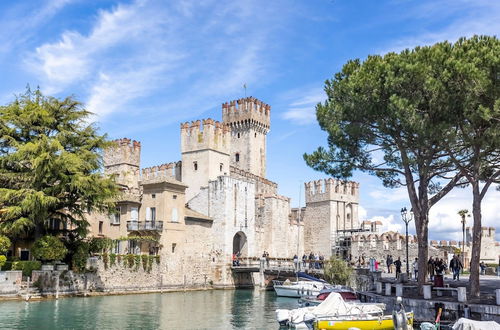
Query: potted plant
<point x="49" y="249"/>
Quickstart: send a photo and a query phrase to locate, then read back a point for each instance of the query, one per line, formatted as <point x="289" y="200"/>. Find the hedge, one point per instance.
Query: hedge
<point x="26" y="266"/>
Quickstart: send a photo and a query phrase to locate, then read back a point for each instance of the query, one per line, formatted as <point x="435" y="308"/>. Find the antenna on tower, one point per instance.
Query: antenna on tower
<point x="245" y="87"/>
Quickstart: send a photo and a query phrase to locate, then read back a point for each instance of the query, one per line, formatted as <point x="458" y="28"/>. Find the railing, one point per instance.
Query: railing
<point x="279" y="264"/>
<point x="152" y="225"/>
<point x="132" y="225"/>
<point x="145" y="225"/>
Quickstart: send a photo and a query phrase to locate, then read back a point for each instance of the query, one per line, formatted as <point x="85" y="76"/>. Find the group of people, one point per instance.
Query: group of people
<point x="389" y="261"/>
<point x="314" y="260"/>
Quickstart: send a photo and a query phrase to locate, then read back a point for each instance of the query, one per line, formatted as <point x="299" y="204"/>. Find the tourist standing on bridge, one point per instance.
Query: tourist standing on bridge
<point x="311" y="260"/>
<point x="456" y="266"/>
<point x="398" y="264"/>
<point x="304" y="261"/>
<point x="389" y="263"/>
<point x="296" y="263"/>
<point x="321" y="261"/>
<point x="415" y="268"/>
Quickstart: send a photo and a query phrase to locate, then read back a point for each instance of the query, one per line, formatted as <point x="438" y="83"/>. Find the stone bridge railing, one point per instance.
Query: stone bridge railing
<point x="278" y="264"/>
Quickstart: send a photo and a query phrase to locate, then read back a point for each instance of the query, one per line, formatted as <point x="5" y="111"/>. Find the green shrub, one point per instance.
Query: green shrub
<point x="80" y="256"/>
<point x="4" y="244"/>
<point x="137" y="261"/>
<point x="3" y="260"/>
<point x="49" y="248"/>
<point x="145" y="262"/>
<point x="112" y="259"/>
<point x="26" y="266"/>
<point x="129" y="260"/>
<point x="157" y="258"/>
<point x="118" y="259"/>
<point x="100" y="244"/>
<point x="150" y="263"/>
<point x="337" y="271"/>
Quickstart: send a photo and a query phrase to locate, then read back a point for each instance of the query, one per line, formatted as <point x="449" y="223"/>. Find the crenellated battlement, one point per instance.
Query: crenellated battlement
<point x="331" y="189"/>
<point x="206" y="134"/>
<point x="246" y="112"/>
<point x="123" y="151"/>
<point x="168" y="170"/>
<point x="263" y="185"/>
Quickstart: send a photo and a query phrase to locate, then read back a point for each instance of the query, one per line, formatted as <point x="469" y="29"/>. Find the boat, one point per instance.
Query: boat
<point x="331" y="311"/>
<point x="347" y="293"/>
<point x="372" y="322"/>
<point x="305" y="285"/>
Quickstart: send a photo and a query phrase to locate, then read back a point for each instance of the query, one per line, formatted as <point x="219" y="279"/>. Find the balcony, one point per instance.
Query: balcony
<point x="133" y="225"/>
<point x="145" y="225"/>
<point x="151" y="225"/>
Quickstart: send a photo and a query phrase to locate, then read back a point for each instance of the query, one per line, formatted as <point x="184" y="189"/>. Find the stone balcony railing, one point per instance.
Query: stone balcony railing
<point x="145" y="225"/>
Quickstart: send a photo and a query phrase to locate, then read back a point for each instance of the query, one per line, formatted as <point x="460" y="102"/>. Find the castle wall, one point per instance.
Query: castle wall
<point x="123" y="160"/>
<point x="262" y="185"/>
<point x="230" y="202"/>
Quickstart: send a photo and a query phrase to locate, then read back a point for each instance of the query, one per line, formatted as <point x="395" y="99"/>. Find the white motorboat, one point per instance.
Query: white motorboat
<point x="297" y="289"/>
<point x="333" y="306"/>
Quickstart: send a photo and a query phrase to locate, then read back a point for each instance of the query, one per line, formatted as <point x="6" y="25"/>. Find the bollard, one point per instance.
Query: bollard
<point x="399" y="290"/>
<point x="378" y="285"/>
<point x="427" y="292"/>
<point x="387" y="289"/>
<point x="497" y="291"/>
<point x="462" y="294"/>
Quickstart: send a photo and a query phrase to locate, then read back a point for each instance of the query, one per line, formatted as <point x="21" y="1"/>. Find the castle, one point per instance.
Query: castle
<point x="216" y="201"/>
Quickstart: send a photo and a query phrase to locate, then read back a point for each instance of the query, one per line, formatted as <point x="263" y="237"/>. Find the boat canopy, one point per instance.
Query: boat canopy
<point x="308" y="277"/>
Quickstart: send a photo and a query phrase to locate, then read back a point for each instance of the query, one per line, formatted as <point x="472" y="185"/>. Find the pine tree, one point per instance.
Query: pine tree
<point x="50" y="166"/>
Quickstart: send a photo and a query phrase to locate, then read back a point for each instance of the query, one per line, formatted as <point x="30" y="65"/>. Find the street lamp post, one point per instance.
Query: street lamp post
<point x="407" y="217"/>
<point x="463" y="213"/>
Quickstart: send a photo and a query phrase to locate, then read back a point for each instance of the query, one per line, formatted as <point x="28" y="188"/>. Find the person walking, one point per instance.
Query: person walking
<point x="296" y="263"/>
<point x="415" y="268"/>
<point x="388" y="264"/>
<point x="304" y="261"/>
<point x="456" y="266"/>
<point x="483" y="267"/>
<point x="430" y="268"/>
<point x="398" y="264"/>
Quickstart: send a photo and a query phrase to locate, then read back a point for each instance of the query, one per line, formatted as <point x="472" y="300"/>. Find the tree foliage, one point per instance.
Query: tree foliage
<point x="50" y="164"/>
<point x="49" y="248"/>
<point x="4" y="244"/>
<point x="392" y="115"/>
<point x="337" y="271"/>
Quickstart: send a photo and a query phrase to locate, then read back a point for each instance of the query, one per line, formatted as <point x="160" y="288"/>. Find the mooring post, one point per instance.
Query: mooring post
<point x="388" y="288"/>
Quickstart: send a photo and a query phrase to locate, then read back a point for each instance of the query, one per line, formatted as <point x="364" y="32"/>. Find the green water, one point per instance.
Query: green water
<point x="218" y="309"/>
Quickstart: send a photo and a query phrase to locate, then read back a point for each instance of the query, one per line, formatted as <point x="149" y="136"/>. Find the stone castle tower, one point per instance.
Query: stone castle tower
<point x="331" y="214"/>
<point x="250" y="121"/>
<point x="205" y="153"/>
<point x="123" y="160"/>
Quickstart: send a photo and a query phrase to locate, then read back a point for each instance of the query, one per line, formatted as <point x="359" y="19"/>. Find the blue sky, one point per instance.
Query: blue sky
<point x="145" y="66"/>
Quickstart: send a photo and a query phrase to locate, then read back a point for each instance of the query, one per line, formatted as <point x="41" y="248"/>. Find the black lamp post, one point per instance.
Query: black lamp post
<point x="407" y="217"/>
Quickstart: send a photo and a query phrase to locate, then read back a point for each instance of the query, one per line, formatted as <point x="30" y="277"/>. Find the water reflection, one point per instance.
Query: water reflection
<point x="221" y="309"/>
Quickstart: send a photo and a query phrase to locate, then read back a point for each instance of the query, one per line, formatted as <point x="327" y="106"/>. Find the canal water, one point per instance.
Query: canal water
<point x="215" y="309"/>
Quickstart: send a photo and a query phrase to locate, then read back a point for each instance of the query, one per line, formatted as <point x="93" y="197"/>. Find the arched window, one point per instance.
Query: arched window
<point x="237" y="157"/>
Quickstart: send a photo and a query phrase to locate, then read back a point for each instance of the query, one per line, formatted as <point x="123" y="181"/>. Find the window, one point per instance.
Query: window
<point x="221" y="166"/>
<point x="133" y="247"/>
<point x="117" y="247"/>
<point x="174" y="196"/>
<point x="115" y="217"/>
<point x="237" y="157"/>
<point x="195" y="165"/>
<point x="153" y="196"/>
<point x="175" y="217"/>
<point x="174" y="245"/>
<point x="134" y="214"/>
<point x="100" y="227"/>
<point x="238" y="135"/>
<point x="151" y="214"/>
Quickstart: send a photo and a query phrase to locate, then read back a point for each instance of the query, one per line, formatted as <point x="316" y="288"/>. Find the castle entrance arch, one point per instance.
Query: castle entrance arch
<point x="240" y="244"/>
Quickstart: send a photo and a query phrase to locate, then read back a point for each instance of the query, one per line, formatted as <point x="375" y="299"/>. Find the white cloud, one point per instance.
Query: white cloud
<point x="481" y="18"/>
<point x="195" y="51"/>
<point x="301" y="108"/>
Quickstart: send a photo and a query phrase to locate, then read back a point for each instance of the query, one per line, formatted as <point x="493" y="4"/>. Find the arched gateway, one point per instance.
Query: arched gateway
<point x="240" y="244"/>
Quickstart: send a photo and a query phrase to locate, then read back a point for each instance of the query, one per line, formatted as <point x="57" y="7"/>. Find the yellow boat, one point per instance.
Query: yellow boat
<point x="372" y="323"/>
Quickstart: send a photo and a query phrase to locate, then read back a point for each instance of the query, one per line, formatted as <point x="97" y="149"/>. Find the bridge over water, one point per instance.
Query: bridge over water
<point x="270" y="269"/>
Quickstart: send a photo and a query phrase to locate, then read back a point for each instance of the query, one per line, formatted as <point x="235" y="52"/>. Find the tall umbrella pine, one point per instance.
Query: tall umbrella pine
<point x="50" y="166"/>
<point x="475" y="150"/>
<point x="388" y="116"/>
